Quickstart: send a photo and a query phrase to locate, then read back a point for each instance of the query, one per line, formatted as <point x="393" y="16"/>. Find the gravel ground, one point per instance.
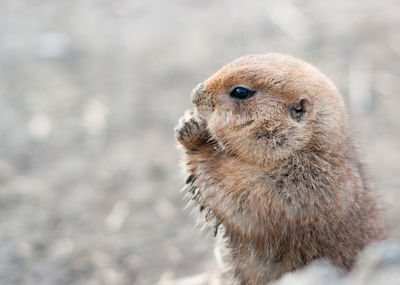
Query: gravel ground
<point x="91" y="90"/>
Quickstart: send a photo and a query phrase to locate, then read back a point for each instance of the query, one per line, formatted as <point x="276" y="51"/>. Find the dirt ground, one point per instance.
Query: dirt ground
<point x="91" y="90"/>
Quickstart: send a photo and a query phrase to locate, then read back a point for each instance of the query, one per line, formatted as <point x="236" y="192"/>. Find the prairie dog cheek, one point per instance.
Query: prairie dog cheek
<point x="221" y="119"/>
<point x="232" y="119"/>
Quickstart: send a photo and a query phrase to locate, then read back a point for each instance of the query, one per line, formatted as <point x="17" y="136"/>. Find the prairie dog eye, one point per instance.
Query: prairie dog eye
<point x="241" y="93"/>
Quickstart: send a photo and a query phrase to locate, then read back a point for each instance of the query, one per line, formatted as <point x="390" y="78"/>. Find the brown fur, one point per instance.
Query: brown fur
<point x="281" y="191"/>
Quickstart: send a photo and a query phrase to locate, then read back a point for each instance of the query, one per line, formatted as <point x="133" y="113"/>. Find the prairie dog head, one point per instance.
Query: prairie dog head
<point x="267" y="107"/>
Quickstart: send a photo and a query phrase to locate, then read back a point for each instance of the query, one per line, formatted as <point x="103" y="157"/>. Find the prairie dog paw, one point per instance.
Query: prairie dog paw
<point x="191" y="131"/>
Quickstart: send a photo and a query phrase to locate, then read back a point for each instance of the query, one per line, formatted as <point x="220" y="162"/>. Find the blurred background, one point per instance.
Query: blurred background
<point x="91" y="90"/>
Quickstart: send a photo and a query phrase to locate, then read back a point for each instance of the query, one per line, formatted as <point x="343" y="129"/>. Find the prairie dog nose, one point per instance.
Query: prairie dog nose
<point x="196" y="93"/>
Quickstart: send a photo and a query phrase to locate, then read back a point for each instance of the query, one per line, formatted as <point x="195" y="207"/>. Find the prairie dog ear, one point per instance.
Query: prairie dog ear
<point x="300" y="108"/>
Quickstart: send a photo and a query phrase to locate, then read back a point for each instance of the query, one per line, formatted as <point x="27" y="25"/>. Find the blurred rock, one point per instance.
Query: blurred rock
<point x="52" y="45"/>
<point x="379" y="263"/>
<point x="40" y="126"/>
<point x="117" y="217"/>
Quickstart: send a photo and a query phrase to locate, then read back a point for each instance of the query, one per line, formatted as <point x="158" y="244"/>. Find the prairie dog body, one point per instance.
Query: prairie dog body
<point x="273" y="167"/>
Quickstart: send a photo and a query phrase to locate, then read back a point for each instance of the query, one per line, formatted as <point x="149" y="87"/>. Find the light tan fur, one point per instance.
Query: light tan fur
<point x="280" y="191"/>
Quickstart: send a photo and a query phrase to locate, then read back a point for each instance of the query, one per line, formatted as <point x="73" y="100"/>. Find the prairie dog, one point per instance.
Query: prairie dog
<point x="273" y="167"/>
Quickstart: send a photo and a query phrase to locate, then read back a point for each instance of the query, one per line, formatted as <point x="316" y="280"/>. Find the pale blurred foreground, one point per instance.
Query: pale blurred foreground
<point x="378" y="264"/>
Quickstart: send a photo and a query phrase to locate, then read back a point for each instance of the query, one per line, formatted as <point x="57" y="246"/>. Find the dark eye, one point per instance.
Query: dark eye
<point x="241" y="93"/>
